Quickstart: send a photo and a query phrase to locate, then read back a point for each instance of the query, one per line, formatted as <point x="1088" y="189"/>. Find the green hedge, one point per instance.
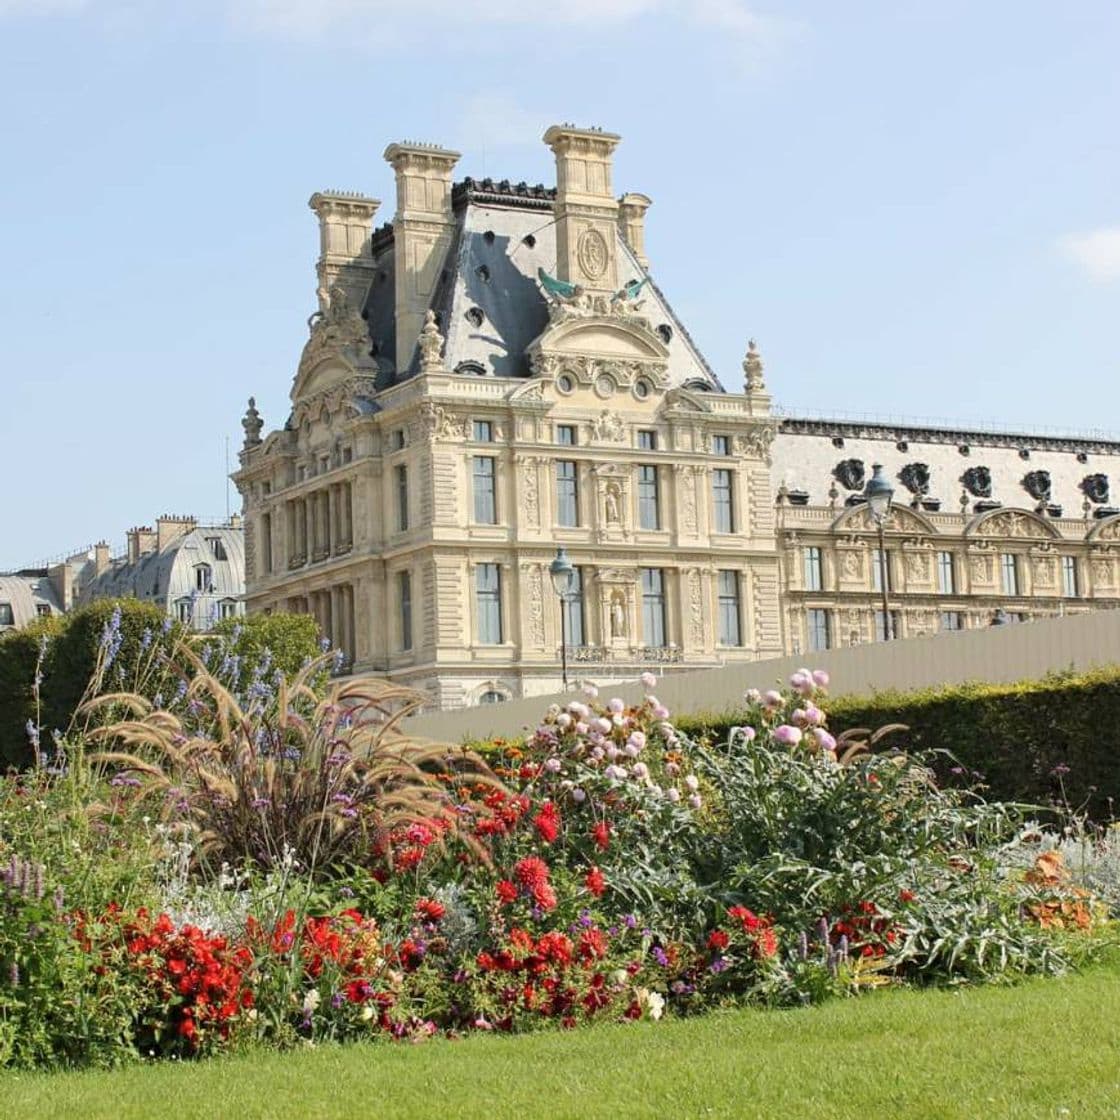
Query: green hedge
<point x="1019" y="737"/>
<point x="71" y="655"/>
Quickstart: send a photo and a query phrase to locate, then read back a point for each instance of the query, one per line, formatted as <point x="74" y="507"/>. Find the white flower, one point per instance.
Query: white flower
<point x="367" y="1013"/>
<point x="590" y="691"/>
<point x="695" y="801"/>
<point x="553" y="765"/>
<point x="693" y="783"/>
<point x="619" y="977"/>
<point x="602" y="725"/>
<point x="652" y="1003"/>
<point x="640" y="771"/>
<point x="579" y="795"/>
<point x="648" y="680"/>
<point x="673" y="794"/>
<point x="578" y="709"/>
<point x="564" y="721"/>
<point x="615" y="773"/>
<point x="631" y="750"/>
<point x="752" y="696"/>
<point x="616" y="706"/>
<point x="311" y="1001"/>
<point x="637" y="738"/>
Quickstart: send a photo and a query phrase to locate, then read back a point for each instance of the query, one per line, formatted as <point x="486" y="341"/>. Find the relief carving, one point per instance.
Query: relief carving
<point x="532" y="492"/>
<point x="609" y="426"/>
<point x="1095" y="488"/>
<point x="1037" y="484"/>
<point x="852" y="564"/>
<point x="1044" y="570"/>
<point x="850" y="473"/>
<point x="917" y="566"/>
<point x="695" y="609"/>
<point x="536" y="606"/>
<point x="978" y="482"/>
<point x="915" y="477"/>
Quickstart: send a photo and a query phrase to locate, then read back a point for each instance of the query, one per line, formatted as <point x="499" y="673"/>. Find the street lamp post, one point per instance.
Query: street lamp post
<point x="879" y="494"/>
<point x="561" y="571"/>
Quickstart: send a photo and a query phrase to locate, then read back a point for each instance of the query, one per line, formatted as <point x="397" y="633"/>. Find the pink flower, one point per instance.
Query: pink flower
<point x="648" y="680"/>
<point x="602" y="725"/>
<point x="660" y="711"/>
<point x="784" y="733"/>
<point x="694" y="801"/>
<point x="820" y="678"/>
<point x="637" y="739"/>
<point x="673" y="794"/>
<point x="752" y="696"/>
<point x="824" y="740"/>
<point x="616" y="706"/>
<point x="772" y="699"/>
<point x="553" y="765"/>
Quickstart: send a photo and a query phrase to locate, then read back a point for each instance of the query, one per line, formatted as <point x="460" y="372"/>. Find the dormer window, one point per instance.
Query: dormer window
<point x="184" y="611"/>
<point x="7" y="615"/>
<point x="227" y="608"/>
<point x="217" y="548"/>
<point x="203" y="577"/>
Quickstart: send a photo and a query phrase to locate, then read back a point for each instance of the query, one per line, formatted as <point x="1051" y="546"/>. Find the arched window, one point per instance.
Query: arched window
<point x="492" y="697"/>
<point x="202" y="577"/>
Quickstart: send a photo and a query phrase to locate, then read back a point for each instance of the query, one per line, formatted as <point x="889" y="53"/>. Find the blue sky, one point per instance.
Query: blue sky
<point x="913" y="205"/>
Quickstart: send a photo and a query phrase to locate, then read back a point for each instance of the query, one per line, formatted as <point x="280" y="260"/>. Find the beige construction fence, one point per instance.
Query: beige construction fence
<point x="1013" y="652"/>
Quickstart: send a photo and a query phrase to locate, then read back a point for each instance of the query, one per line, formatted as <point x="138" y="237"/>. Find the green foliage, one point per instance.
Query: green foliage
<point x="19" y="656"/>
<point x="291" y="639"/>
<point x="1019" y="737"/>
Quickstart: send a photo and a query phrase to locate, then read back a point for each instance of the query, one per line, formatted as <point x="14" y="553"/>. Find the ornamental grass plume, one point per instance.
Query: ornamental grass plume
<point x="320" y="779"/>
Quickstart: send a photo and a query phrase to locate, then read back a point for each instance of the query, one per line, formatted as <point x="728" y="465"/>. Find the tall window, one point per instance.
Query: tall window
<point x="814" y="577"/>
<point x="488" y="591"/>
<point x="721" y="445"/>
<point x="567" y="493"/>
<point x="880" y="626"/>
<point x="952" y="620"/>
<point x="1009" y="573"/>
<point x="7" y="615"/>
<point x="266" y="542"/>
<point x="482" y="431"/>
<point x="723" y="513"/>
<point x="217" y="548"/>
<point x="566" y="435"/>
<point x="485" y="494"/>
<point x="649" y="516"/>
<point x="227" y="608"/>
<point x="573" y="609"/>
<point x="880" y="569"/>
<point x="184" y="611"/>
<point x="946" y="577"/>
<point x="401" y="472"/>
<point x="405" y="598"/>
<point x="730" y="621"/>
<point x="653" y="606"/>
<point x="647" y="440"/>
<point x="819" y="634"/>
<point x="202" y="577"/>
<point x="1069" y="577"/>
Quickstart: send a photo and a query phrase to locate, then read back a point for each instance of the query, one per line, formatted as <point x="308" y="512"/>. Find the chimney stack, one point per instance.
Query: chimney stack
<point x="171" y="527"/>
<point x="100" y="557"/>
<point x="345" y="224"/>
<point x="586" y="209"/>
<point x="422" y="231"/>
<point x="141" y="540"/>
<point x="632" y="209"/>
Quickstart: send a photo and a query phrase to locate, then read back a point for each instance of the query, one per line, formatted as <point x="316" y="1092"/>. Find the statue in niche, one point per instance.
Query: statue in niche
<point x="618" y="615"/>
<point x="1037" y="484"/>
<point x="978" y="482"/>
<point x="915" y="477"/>
<point x="613" y="505"/>
<point x="1095" y="488"/>
<point x="850" y="473"/>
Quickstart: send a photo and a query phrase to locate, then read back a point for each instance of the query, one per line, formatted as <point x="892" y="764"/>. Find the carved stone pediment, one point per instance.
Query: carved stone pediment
<point x="329" y="392"/>
<point x="899" y="520"/>
<point x="1011" y="523"/>
<point x="1108" y="530"/>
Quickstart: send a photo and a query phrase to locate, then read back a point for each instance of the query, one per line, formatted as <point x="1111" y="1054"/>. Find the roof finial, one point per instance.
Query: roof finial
<point x="252" y="423"/>
<point x="752" y="367"/>
<point x="431" y="344"/>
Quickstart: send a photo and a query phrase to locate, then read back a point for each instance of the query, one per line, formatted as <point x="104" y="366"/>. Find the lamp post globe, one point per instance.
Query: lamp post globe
<point x="561" y="571"/>
<point x="879" y="493"/>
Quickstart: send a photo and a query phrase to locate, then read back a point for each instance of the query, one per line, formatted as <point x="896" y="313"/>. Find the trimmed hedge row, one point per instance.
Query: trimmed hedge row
<point x="1038" y="741"/>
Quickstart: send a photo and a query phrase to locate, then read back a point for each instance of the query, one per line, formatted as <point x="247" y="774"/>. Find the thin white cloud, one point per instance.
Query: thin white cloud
<point x="1097" y="252"/>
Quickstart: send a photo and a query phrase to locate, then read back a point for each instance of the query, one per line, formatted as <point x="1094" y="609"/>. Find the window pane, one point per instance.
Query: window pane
<point x="813" y="577"/>
<point x="567" y="494"/>
<point x="723" y="519"/>
<point x="1009" y="570"/>
<point x="573" y="609"/>
<point x="648" y="514"/>
<point x="483" y="431"/>
<point x="406" y="610"/>
<point x="402" y="498"/>
<point x="880" y="569"/>
<point x="946" y="582"/>
<point x="647" y="441"/>
<point x="721" y="445"/>
<point x="485" y="502"/>
<point x="880" y="628"/>
<point x="1069" y="577"/>
<point x="566" y="435"/>
<point x="653" y="607"/>
<point x="489" y="602"/>
<point x="818" y="630"/>
<point x="951" y="620"/>
<point x="730" y="628"/>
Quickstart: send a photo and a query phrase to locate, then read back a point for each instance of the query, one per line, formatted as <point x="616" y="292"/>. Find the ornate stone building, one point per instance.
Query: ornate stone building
<point x="982" y="523"/>
<point x="490" y="376"/>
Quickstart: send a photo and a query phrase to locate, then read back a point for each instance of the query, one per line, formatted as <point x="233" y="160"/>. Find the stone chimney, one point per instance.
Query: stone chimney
<point x="422" y="231"/>
<point x="586" y="209"/>
<point x="170" y="527"/>
<point x="141" y="540"/>
<point x="345" y="224"/>
<point x="100" y="558"/>
<point x="632" y="209"/>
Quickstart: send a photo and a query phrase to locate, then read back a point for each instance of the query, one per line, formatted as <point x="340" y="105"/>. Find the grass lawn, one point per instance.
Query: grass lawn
<point x="1048" y="1048"/>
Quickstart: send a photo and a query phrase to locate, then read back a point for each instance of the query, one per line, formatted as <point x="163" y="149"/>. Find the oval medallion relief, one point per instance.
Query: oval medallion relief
<point x="592" y="253"/>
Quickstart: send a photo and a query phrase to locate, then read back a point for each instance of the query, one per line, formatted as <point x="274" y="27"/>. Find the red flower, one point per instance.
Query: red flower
<point x="507" y="892"/>
<point x="592" y="945"/>
<point x="906" y="896"/>
<point x="547" y="822"/>
<point x="718" y="939"/>
<point x="595" y="882"/>
<point x="601" y="834"/>
<point x="746" y="918"/>
<point x="428" y="910"/>
<point x="531" y="872"/>
<point x="766" y="943"/>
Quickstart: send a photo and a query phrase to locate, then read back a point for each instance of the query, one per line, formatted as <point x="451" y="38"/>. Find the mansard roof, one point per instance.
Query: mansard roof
<point x="488" y="301"/>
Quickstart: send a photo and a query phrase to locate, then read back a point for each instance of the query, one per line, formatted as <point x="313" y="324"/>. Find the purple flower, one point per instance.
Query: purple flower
<point x="788" y="735"/>
<point x="630" y="922"/>
<point x="659" y="955"/>
<point x="718" y="965"/>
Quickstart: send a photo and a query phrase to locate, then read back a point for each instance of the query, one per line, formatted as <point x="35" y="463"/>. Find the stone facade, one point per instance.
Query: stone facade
<point x="502" y="392"/>
<point x="982" y="523"/>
